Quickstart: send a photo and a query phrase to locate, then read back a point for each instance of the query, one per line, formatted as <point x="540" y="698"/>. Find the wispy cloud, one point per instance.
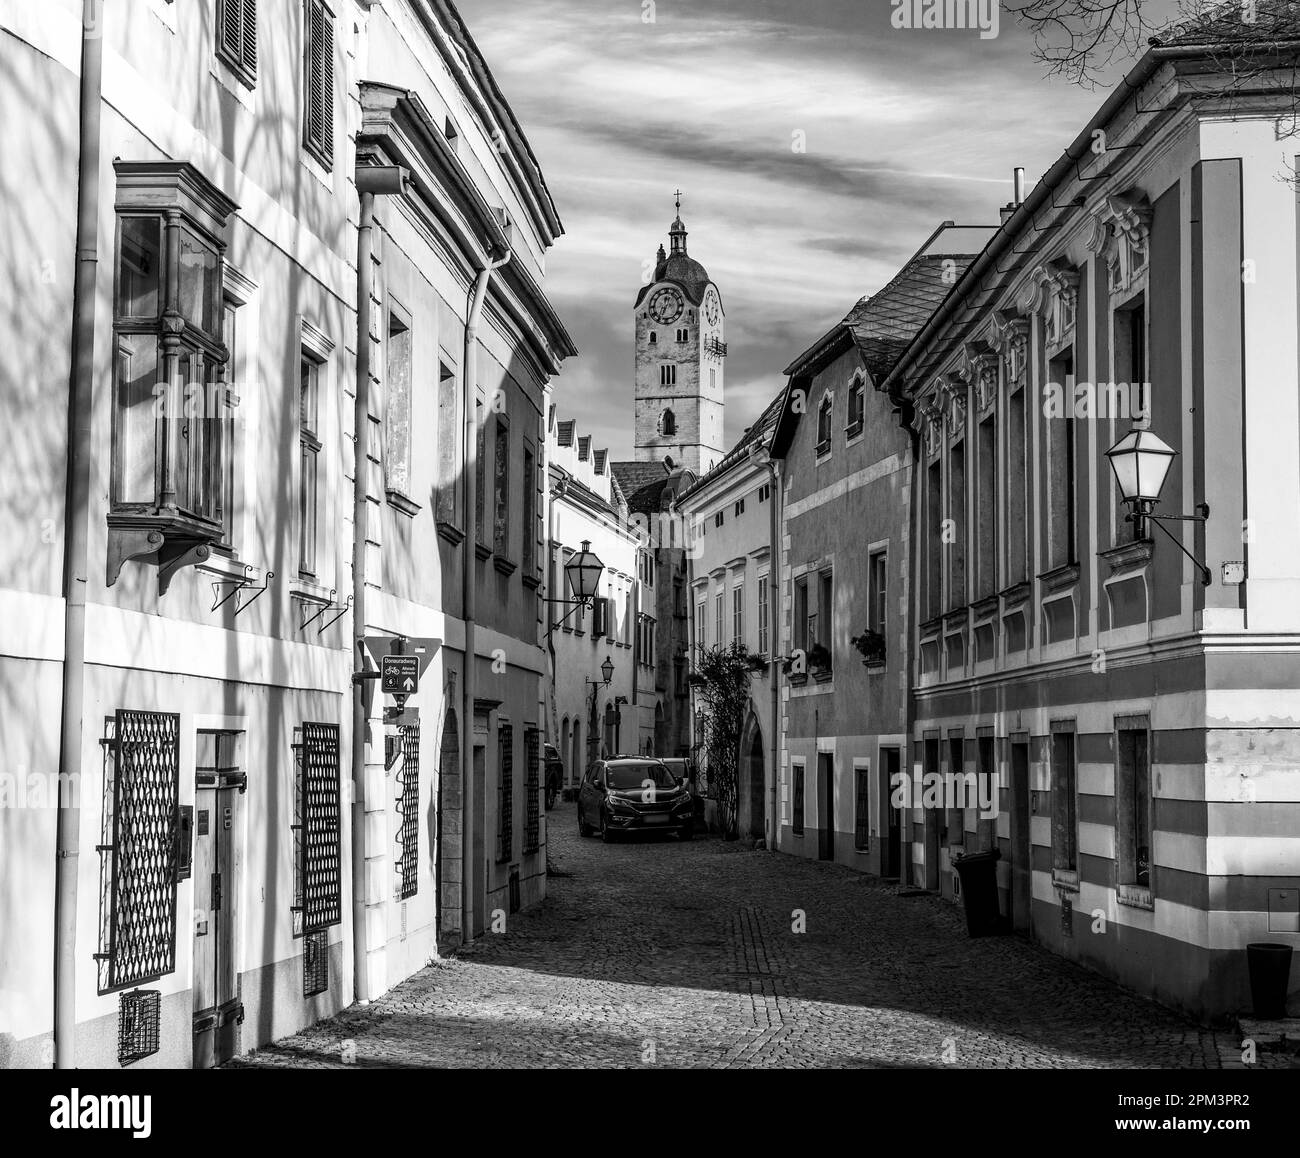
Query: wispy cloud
<point x="898" y="131"/>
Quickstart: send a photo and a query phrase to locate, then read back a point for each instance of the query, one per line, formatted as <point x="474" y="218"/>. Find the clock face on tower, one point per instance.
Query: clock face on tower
<point x="665" y="306"/>
<point x="711" y="308"/>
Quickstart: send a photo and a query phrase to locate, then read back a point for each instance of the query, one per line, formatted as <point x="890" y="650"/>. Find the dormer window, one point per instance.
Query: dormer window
<point x="168" y="486"/>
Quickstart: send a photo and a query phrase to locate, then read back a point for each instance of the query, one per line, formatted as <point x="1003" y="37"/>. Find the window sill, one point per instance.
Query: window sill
<point x="1015" y="595"/>
<point x="505" y="566"/>
<point x="310" y="590"/>
<point x="931" y="627"/>
<point x="1135" y="897"/>
<point x="532" y="582"/>
<point x="452" y="533"/>
<point x="823" y="675"/>
<point x="822" y="450"/>
<point x="797" y="680"/>
<point x="399" y="502"/>
<point x="317" y="168"/>
<point x="1067" y="880"/>
<point x="875" y="666"/>
<point x="225" y="566"/>
<point x="482" y="550"/>
<point x="985" y="607"/>
<point x="853" y="430"/>
<point x="170" y="539"/>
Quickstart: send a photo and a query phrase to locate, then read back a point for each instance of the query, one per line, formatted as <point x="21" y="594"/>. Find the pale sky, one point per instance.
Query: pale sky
<point x="902" y="128"/>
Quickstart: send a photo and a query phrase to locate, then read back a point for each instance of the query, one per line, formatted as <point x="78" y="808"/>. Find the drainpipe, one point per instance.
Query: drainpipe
<point x="372" y="181"/>
<point x="75" y="536"/>
<point x="762" y="456"/>
<point x="469" y="591"/>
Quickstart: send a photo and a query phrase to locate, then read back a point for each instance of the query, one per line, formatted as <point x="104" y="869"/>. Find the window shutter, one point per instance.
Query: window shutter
<point x="319" y="95"/>
<point x="237" y="36"/>
<point x="248" y="42"/>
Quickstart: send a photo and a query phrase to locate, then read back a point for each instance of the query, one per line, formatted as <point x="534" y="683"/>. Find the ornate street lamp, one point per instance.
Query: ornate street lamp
<point x="1141" y="463"/>
<point x="607" y="670"/>
<point x="583" y="572"/>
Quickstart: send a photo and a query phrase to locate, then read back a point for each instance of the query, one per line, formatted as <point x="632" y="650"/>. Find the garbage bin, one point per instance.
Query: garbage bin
<point x="1270" y="970"/>
<point x="978" y="872"/>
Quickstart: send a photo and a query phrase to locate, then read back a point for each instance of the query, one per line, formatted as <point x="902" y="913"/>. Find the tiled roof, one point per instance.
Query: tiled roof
<point x="633" y="475"/>
<point x="885" y="322"/>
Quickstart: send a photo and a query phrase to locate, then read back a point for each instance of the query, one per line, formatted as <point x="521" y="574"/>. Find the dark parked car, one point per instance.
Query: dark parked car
<point x="685" y="771"/>
<point x="554" y="775"/>
<point x="633" y="794"/>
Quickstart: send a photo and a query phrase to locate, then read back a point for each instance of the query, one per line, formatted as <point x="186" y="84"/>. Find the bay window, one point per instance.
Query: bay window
<point x="170" y="452"/>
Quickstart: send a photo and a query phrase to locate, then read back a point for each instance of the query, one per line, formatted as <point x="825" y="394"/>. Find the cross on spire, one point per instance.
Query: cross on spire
<point x="678" y="195"/>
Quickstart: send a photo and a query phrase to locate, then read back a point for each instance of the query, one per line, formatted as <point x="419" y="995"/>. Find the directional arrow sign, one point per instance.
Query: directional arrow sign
<point x="399" y="674"/>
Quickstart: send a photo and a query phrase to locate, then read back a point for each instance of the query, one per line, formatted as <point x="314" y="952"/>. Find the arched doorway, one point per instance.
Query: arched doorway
<point x="752" y="795"/>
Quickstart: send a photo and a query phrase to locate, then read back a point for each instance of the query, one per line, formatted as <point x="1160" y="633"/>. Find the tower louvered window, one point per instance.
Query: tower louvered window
<point x="237" y="37"/>
<point x="318" y="87"/>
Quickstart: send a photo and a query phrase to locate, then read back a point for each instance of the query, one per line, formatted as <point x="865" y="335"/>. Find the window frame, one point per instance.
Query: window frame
<point x="318" y="139"/>
<point x="240" y="58"/>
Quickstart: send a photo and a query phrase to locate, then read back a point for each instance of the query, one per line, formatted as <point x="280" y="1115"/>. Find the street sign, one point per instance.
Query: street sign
<point x="413" y="646"/>
<point x="399" y="674"/>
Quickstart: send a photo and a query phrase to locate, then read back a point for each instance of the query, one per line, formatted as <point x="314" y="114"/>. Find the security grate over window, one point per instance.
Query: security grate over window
<point x="137" y="911"/>
<point x="138" y="1016"/>
<point x="315" y="963"/>
<point x="317" y="903"/>
<point x="408" y="811"/>
<point x="506" y="793"/>
<point x="532" y="790"/>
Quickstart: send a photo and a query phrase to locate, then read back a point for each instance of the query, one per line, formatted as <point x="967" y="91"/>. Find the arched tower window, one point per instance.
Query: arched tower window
<point x="667" y="423"/>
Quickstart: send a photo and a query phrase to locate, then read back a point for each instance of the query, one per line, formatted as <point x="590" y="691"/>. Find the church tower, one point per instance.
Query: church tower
<point x="679" y="360"/>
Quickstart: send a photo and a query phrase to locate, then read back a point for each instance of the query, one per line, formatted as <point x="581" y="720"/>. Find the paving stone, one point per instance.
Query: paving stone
<point x="657" y="954"/>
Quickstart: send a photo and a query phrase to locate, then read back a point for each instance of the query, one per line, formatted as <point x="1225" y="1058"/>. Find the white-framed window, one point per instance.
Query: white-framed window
<point x="701" y="624"/>
<point x="719" y="622"/>
<point x="738" y="614"/>
<point x="857" y="407"/>
<point x="309" y="448"/>
<point x="764" y="642"/>
<point x="825" y="410"/>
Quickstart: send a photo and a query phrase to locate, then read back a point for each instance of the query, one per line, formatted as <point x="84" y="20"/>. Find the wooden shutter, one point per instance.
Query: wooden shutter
<point x="318" y="52"/>
<point x="237" y="36"/>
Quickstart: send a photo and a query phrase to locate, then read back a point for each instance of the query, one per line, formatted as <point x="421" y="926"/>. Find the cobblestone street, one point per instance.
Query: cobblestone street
<point x="658" y="953"/>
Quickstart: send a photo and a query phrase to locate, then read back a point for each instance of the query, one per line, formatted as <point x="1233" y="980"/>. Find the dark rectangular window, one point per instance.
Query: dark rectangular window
<point x="1017" y="483"/>
<point x="796" y="822"/>
<point x="862" y="809"/>
<point x="501" y="489"/>
<point x="530" y="513"/>
<point x="318" y="87"/>
<point x="877" y="593"/>
<point x="1133" y="801"/>
<point x="1065" y="827"/>
<point x="934" y="546"/>
<point x="599" y="614"/>
<point x="988" y="782"/>
<point x="802" y="638"/>
<point x="1128" y="398"/>
<point x="825" y="611"/>
<point x="237" y="37"/>
<point x="955" y="528"/>
<point x="309" y="448"/>
<point x="449" y="476"/>
<point x="857" y="409"/>
<point x="480" y="471"/>
<point x="533" y="790"/>
<point x="986" y="506"/>
<point x="957" y="769"/>
<point x="1060" y="520"/>
<point x="506" y="792"/>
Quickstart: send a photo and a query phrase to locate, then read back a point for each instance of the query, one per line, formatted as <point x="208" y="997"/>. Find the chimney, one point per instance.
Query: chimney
<point x="1017" y="194"/>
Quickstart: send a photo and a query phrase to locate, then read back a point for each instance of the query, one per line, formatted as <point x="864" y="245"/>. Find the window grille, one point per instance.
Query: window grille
<point x="862" y="809"/>
<point x="318" y="828"/>
<point x="315" y="963"/>
<point x="139" y="1014"/>
<point x="515" y="903"/>
<point x="533" y="785"/>
<point x="408" y="810"/>
<point x="797" y="820"/>
<point x="137" y="936"/>
<point x="506" y="793"/>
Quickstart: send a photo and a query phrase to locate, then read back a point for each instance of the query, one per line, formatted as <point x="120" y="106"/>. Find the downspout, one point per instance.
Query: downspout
<point x="75" y="539"/>
<point x="773" y="607"/>
<point x="371" y="180"/>
<point x="469" y="591"/>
